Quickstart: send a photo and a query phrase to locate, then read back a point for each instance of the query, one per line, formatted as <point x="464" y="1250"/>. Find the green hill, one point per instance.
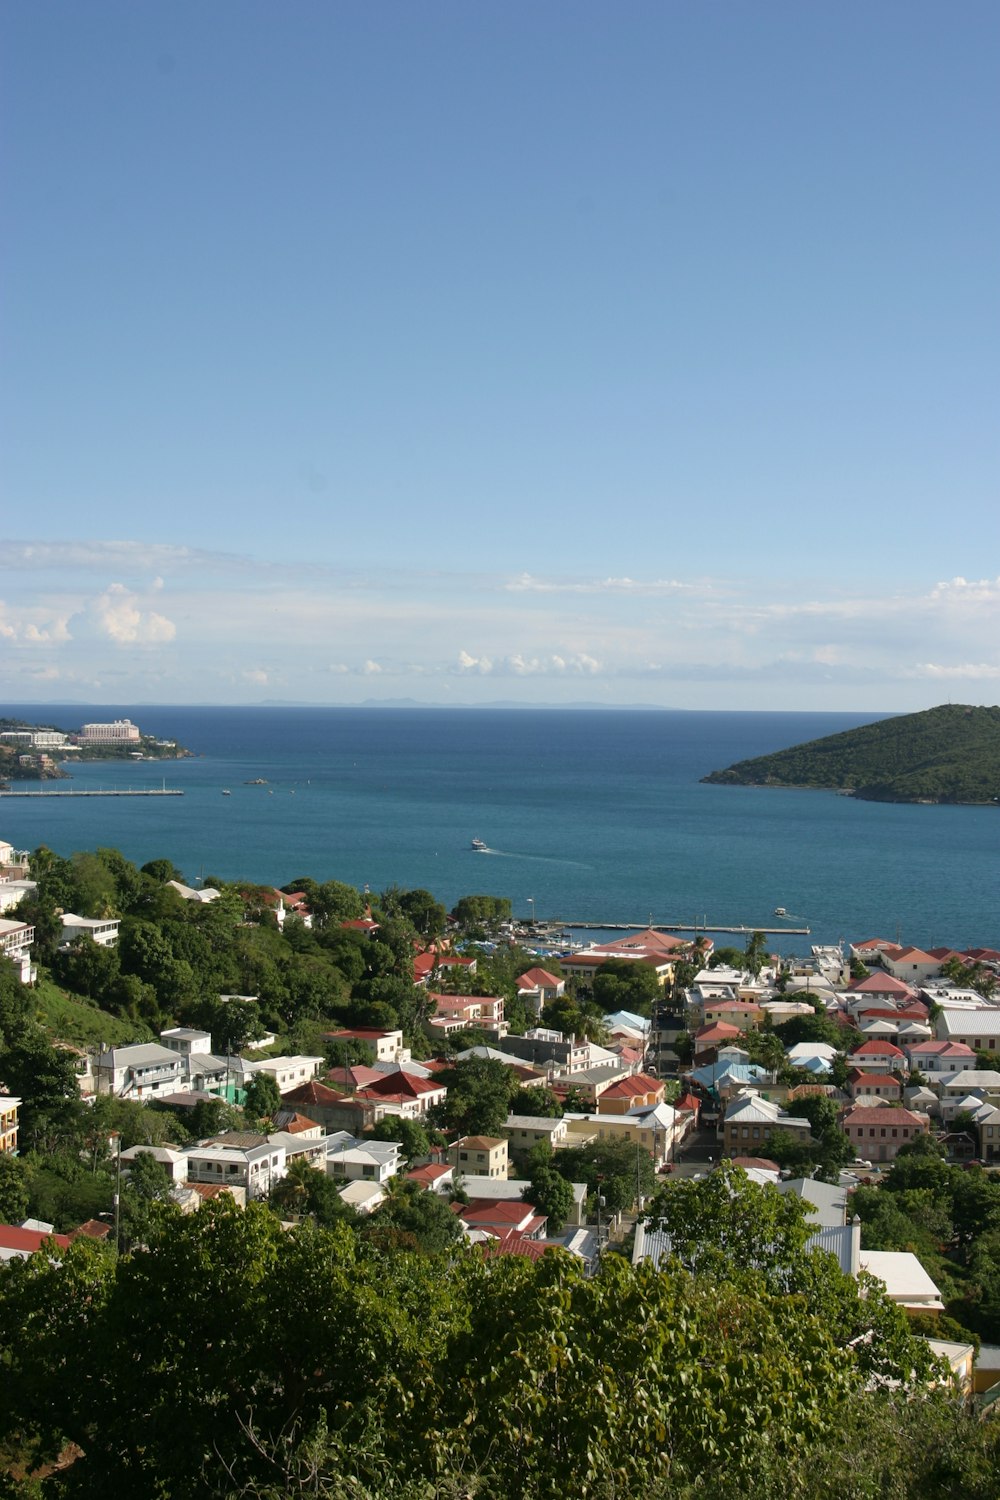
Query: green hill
<point x="946" y="754"/>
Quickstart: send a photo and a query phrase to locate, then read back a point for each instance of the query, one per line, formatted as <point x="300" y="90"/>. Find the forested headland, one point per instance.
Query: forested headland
<point x="945" y="754"/>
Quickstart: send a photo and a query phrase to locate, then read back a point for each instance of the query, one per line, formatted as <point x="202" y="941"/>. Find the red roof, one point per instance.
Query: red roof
<point x="91" y="1229"/>
<point x="12" y="1237"/>
<point x="631" y="1088"/>
<point x="360" y="924"/>
<point x="505" y="1216"/>
<point x="538" y="979"/>
<point x="297" y="1124"/>
<point x="942" y="1049"/>
<point x="879" y="984"/>
<point x="983" y="955"/>
<point x="717" y="1031"/>
<point x="687" y="1104"/>
<point x="876" y="1048"/>
<point x="316" y="1093"/>
<point x="357" y="1033"/>
<point x="400" y="1085"/>
<point x="428" y="1175"/>
<point x="760" y="1162"/>
<point x="881" y="1114"/>
<point x="873" y="1080"/>
<point x="355" y="1077"/>
<point x="517" y="1244"/>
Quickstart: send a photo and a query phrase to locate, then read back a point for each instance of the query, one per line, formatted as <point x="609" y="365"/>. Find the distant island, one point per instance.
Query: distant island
<point x="949" y="754"/>
<point x="40" y="752"/>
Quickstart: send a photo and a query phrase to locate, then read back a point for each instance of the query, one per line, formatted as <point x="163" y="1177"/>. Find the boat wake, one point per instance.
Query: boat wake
<point x="537" y="859"/>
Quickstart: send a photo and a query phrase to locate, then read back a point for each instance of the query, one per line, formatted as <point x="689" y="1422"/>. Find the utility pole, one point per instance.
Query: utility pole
<point x="118" y="1190"/>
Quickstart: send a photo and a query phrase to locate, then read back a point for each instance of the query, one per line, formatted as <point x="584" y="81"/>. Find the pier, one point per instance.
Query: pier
<point x="741" y="930"/>
<point x="155" y="791"/>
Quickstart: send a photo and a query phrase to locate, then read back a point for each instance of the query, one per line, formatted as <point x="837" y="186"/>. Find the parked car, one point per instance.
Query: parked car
<point x="859" y="1161"/>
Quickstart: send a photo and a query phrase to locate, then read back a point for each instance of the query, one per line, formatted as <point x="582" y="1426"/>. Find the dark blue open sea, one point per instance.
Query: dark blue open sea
<point x="590" y="815"/>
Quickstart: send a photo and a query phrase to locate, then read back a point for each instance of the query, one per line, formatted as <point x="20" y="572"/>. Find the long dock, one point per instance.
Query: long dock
<point x="742" y="929"/>
<point x="157" y="791"/>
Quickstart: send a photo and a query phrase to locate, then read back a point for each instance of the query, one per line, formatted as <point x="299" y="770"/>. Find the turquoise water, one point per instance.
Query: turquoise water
<point x="592" y="816"/>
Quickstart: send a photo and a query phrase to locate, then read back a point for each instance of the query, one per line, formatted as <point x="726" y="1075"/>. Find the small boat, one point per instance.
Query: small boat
<point x="257" y="781"/>
<point x="779" y="911"/>
<point x="226" y="792"/>
<point x="480" y="847"/>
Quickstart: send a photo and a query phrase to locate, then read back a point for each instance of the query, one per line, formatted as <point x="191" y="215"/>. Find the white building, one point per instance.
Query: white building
<point x="352" y="1160"/>
<point x="287" y="1072"/>
<point x="103" y="930"/>
<point x="238" y="1158"/>
<point x="185" y="1041"/>
<point x="119" y="732"/>
<point x="13" y="892"/>
<point x="16" y="939"/>
<point x="140" y="1071"/>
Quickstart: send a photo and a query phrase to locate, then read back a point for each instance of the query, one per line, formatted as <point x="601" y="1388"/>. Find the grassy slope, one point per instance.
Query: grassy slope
<point x="945" y="754"/>
<point x="70" y="1018"/>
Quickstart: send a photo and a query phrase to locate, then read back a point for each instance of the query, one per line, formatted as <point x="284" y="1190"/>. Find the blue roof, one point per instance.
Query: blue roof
<point x="712" y="1074"/>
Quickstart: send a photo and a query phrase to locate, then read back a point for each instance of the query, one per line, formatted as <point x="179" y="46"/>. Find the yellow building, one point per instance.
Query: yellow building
<point x="8" y="1122"/>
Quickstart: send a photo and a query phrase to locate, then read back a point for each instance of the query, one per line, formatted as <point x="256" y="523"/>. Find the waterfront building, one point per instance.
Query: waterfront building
<point x="119" y="732"/>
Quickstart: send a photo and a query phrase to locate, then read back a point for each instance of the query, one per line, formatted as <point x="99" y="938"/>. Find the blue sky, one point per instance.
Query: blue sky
<point x="618" y="353"/>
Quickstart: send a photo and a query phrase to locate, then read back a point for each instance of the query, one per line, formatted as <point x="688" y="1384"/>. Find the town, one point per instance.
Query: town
<point x="447" y="1085"/>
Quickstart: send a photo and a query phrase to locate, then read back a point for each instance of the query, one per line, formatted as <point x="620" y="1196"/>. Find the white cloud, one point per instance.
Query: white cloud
<point x="967" y="669"/>
<point x="33" y="625"/>
<point x="481" y="664"/>
<point x="117" y="614"/>
<point x="371" y="668"/>
<point x="256" y="675"/>
<point x="526" y="583"/>
<point x="519" y="665"/>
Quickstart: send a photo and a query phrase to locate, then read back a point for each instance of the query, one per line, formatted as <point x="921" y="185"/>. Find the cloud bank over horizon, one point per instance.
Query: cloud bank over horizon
<point x="144" y="622"/>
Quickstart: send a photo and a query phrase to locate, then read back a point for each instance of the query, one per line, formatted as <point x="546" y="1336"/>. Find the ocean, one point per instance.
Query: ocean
<point x="590" y="816"/>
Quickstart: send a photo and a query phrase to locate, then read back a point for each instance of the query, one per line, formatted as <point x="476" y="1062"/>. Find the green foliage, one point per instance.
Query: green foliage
<point x="626" y="984"/>
<point x="537" y="1101"/>
<point x="412" y="1218"/>
<point x="480" y="1091"/>
<point x="945" y="754"/>
<point x="350" y="1368"/>
<point x="614" y="1170"/>
<point x="727" y="1221"/>
<point x="551" y="1194"/>
<point x="482" y="911"/>
<point x="307" y="1192"/>
<point x="412" y="1135"/>
<point x="14" y="1196"/>
<point x="261" y="1096"/>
